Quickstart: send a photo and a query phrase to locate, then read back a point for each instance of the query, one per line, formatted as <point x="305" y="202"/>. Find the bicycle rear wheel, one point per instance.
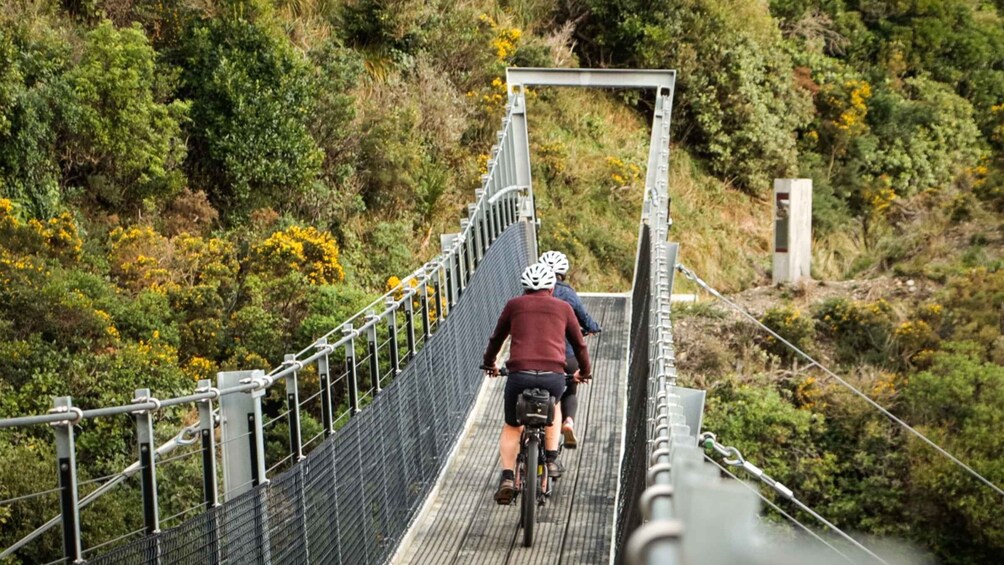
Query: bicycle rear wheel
<point x="530" y="486"/>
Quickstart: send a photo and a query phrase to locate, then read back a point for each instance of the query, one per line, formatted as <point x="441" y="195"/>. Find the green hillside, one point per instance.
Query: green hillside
<point x="189" y="186"/>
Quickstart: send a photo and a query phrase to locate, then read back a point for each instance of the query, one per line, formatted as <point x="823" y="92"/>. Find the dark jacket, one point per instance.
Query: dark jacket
<point x="539" y="325"/>
<point x="563" y="291"/>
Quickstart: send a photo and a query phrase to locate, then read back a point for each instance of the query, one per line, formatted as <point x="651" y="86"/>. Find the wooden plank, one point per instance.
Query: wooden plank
<point x="464" y="525"/>
<point x="588" y="536"/>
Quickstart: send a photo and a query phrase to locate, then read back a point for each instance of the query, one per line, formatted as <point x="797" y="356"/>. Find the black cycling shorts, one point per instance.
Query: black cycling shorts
<point x="517" y="382"/>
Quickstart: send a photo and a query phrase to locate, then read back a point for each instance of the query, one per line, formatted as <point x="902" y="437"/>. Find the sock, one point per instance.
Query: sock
<point x="508" y="474"/>
<point x="551" y="455"/>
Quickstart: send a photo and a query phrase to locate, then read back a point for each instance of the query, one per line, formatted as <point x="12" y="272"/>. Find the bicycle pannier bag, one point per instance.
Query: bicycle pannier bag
<point x="534" y="407"/>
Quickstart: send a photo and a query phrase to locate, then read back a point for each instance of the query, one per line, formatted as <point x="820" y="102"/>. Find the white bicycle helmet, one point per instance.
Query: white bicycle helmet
<point x="556" y="260"/>
<point x="537" y="277"/>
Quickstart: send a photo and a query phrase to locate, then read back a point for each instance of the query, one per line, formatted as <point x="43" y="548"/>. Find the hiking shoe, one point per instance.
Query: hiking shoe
<point x="505" y="492"/>
<point x="568" y="433"/>
<point x="554" y="469"/>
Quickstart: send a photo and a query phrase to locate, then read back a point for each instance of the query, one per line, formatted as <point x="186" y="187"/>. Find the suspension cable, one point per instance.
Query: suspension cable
<point x="777" y="508"/>
<point x="731" y="456"/>
<point x="697" y="280"/>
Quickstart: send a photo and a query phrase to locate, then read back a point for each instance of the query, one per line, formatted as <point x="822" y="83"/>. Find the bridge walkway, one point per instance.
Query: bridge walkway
<point x="462" y="524"/>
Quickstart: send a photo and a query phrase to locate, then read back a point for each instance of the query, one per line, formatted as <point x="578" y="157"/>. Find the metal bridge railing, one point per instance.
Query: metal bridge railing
<point x="356" y="364"/>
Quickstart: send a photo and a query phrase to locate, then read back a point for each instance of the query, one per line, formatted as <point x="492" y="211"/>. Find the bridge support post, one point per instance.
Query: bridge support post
<point x="240" y="417"/>
<point x="207" y="436"/>
<point x="484" y="215"/>
<point x="395" y="360"/>
<point x="461" y="264"/>
<point x="792" y="230"/>
<point x="476" y="240"/>
<point x="210" y="492"/>
<point x="442" y="303"/>
<point x="467" y="233"/>
<point x="423" y="281"/>
<point x="293" y="409"/>
<point x="148" y="470"/>
<point x="66" y="459"/>
<point x="324" y="376"/>
<point x="372" y="349"/>
<point x="451" y="266"/>
<point x="409" y="319"/>
<point x="244" y="460"/>
<point x="352" y="372"/>
<point x="491" y="212"/>
<point x="521" y="162"/>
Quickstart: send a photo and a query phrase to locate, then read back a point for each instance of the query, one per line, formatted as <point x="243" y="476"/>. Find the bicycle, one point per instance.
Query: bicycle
<point x="534" y="409"/>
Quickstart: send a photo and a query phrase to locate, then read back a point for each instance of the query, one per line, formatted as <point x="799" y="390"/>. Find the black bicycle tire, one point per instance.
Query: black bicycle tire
<point x="530" y="492"/>
<point x="521" y="478"/>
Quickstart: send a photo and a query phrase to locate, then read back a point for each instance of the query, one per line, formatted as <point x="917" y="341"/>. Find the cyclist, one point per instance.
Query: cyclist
<point x="558" y="263"/>
<point x="538" y="324"/>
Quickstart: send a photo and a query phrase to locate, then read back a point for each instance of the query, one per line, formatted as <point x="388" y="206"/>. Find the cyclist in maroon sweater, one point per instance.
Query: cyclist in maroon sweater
<point x="538" y="324"/>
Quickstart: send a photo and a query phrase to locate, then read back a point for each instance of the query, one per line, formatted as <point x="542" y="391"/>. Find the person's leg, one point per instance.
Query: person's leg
<point x="569" y="404"/>
<point x="569" y="401"/>
<point x="552" y="433"/>
<point x="509" y="446"/>
<point x="509" y="442"/>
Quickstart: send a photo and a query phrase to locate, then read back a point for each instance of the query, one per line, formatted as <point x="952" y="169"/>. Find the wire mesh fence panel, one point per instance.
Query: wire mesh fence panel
<point x="242" y="531"/>
<point x="141" y="551"/>
<point x="192" y="541"/>
<point x="395" y="495"/>
<point x="287" y="530"/>
<point x="634" y="464"/>
<point x="352" y="498"/>
<point x="320" y="500"/>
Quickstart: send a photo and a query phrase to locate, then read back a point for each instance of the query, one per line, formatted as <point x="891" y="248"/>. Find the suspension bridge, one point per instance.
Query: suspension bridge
<point x="404" y="464"/>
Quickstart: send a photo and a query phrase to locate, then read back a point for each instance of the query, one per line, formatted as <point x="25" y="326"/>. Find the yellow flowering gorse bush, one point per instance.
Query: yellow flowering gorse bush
<point x="302" y="249"/>
<point x="623" y="173"/>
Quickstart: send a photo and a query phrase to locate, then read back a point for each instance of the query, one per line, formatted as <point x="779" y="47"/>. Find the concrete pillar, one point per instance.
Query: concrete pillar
<point x="792" y="230"/>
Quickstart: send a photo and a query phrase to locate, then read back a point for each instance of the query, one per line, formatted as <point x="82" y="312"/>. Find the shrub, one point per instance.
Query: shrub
<point x="303" y="250"/>
<point x="394" y="27"/>
<point x="959" y="402"/>
<point x="791" y="325"/>
<point x="329" y="306"/>
<point x="861" y="330"/>
<point x="973" y="303"/>
<point x="139" y="257"/>
<point x="767" y="429"/>
<point x="392" y="254"/>
<point x="926" y="136"/>
<point x="391" y="154"/>
<point x="189" y="212"/>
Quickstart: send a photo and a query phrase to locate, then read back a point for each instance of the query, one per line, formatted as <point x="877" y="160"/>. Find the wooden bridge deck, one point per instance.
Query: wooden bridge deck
<point x="462" y="523"/>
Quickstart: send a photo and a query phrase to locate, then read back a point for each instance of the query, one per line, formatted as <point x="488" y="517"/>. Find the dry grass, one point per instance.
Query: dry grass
<point x="724" y="234"/>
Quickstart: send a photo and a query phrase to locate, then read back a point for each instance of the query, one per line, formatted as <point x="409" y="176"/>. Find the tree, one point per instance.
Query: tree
<point x="31" y="62"/>
<point x="121" y="142"/>
<point x="735" y="100"/>
<point x="250" y="90"/>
